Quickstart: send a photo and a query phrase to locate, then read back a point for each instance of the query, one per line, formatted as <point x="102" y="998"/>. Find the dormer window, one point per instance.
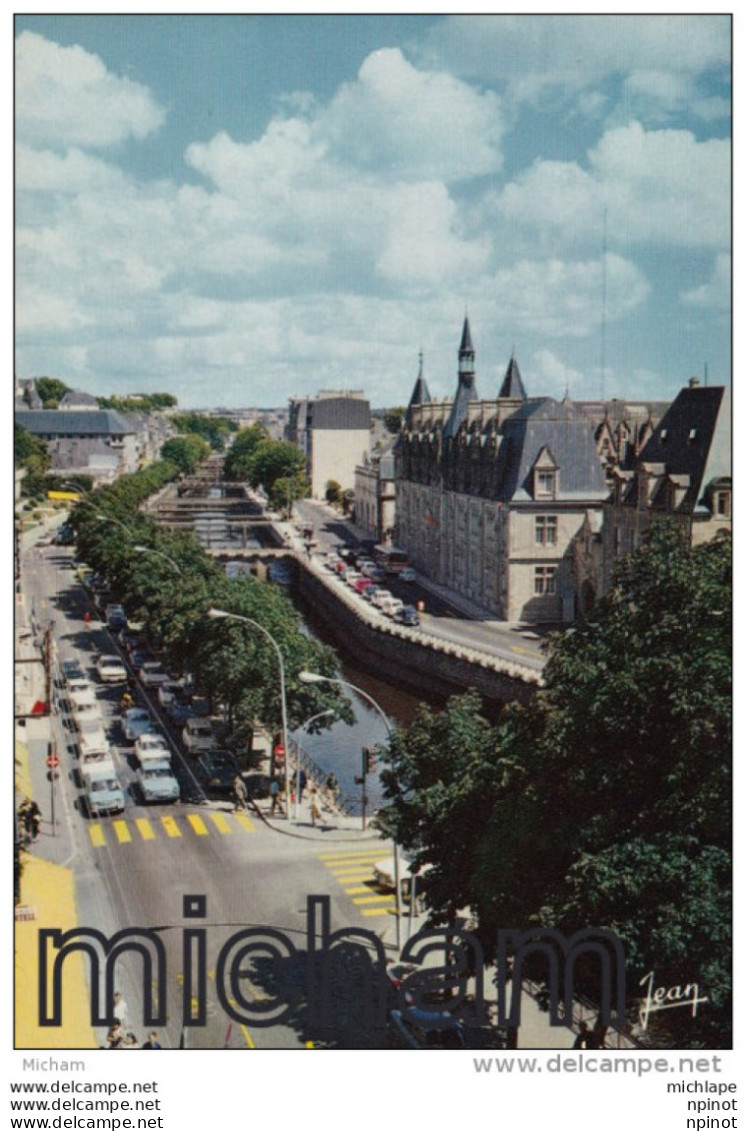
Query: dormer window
<point x="546" y="484"/>
<point x="692" y="435"/>
<point x="663" y="435"/>
<point x="722" y="503"/>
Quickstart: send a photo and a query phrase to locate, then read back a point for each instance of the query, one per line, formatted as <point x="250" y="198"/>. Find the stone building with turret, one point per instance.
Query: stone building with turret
<point x="492" y="493"/>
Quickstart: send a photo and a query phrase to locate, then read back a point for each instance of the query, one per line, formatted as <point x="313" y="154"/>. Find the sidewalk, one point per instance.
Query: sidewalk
<point x="47" y="901"/>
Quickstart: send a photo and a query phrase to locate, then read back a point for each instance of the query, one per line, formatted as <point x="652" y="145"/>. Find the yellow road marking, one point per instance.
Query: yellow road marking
<point x="197" y="824"/>
<point x="350" y="873"/>
<point x="123" y="833"/>
<point x="169" y="824"/>
<point x="96" y="833"/>
<point x="341" y="856"/>
<point x="368" y="911"/>
<point x="220" y="823"/>
<point x="244" y="822"/>
<point x="362" y="890"/>
<point x="374" y="899"/>
<point x="145" y="828"/>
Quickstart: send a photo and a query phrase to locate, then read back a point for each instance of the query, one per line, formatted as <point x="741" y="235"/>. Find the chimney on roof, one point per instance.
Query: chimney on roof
<point x="693" y="382"/>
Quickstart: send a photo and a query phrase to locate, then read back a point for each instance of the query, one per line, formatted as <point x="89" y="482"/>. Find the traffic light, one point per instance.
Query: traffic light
<point x="370" y="759"/>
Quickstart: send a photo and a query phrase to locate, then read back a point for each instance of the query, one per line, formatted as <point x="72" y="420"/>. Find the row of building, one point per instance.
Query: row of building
<point x="523" y="504"/>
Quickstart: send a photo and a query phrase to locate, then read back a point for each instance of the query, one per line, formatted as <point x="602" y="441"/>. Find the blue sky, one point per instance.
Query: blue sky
<point x="239" y="209"/>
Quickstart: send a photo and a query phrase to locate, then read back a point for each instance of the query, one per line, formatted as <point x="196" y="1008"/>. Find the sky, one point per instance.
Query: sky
<point x="240" y="209"/>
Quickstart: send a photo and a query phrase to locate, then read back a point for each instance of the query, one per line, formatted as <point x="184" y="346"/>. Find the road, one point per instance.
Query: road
<point x="136" y="869"/>
<point x="442" y="617"/>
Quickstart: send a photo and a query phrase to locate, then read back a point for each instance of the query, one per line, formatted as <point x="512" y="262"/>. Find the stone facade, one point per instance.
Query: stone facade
<point x="333" y="430"/>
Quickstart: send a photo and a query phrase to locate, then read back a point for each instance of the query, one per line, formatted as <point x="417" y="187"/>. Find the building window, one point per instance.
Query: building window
<point x="545" y="581"/>
<point x="546" y="483"/>
<point x="546" y="530"/>
<point x="722" y="503"/>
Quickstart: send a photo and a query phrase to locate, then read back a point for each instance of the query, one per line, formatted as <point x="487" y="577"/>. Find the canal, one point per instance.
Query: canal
<point x="339" y="748"/>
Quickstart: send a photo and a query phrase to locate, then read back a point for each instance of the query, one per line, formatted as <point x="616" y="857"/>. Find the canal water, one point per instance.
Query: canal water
<point x="339" y="748"/>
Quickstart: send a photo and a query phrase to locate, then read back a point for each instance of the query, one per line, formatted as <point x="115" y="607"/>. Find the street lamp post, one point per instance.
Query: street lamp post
<point x="159" y="554"/>
<point x="314" y="677"/>
<point x="221" y="614"/>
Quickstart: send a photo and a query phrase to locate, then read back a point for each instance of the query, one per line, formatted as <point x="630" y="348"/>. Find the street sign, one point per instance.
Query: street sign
<point x="279" y="751"/>
<point x="53" y="761"/>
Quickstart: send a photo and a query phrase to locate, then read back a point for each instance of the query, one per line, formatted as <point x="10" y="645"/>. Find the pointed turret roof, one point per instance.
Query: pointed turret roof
<point x="466" y="346"/>
<point x="512" y="385"/>
<point x="420" y="393"/>
<point x="467" y="390"/>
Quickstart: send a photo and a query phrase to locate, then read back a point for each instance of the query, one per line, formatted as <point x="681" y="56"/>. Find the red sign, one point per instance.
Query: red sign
<point x="279" y="751"/>
<point x="53" y="761"/>
<point x="39" y="708"/>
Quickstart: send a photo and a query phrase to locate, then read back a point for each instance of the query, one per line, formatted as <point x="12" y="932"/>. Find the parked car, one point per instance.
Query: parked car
<point x="381" y="598"/>
<point x="351" y="577"/>
<point x="407" y="574"/>
<point x="116" y="618"/>
<point x="407" y="615"/>
<point x="370" y="593"/>
<point x="361" y="584"/>
<point x="71" y="669"/>
<point x="153" y="674"/>
<point x="86" y="709"/>
<point x="218" y="768"/>
<point x="156" y="784"/>
<point x="81" y="692"/>
<point x="65" y="536"/>
<point x="150" y="746"/>
<point x="168" y="691"/>
<point x="198" y="735"/>
<point x="90" y="735"/>
<point x="102" y="791"/>
<point x="136" y="721"/>
<point x="110" y="669"/>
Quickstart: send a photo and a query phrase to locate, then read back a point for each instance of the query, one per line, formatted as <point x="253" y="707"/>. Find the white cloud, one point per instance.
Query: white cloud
<point x="553" y="377"/>
<point x="564" y="300"/>
<point x="410" y="124"/>
<point x="532" y="54"/>
<point x="658" y="186"/>
<point x="66" y="97"/>
<point x="715" y="294"/>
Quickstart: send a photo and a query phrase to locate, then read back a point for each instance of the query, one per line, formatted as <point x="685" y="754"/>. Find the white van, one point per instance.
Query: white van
<point x="91" y="736"/>
<point x="102" y="791"/>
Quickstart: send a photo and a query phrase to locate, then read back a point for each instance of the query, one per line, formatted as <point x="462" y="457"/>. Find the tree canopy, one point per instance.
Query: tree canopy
<point x="51" y="390"/>
<point x="213" y="429"/>
<point x="606" y="803"/>
<point x="186" y="452"/>
<point x="139" y="402"/>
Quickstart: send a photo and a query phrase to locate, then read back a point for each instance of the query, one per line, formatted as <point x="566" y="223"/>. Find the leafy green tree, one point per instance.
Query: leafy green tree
<point x="213" y="429"/>
<point x="285" y="490"/>
<point x="32" y="453"/>
<point x="333" y="493"/>
<point x="392" y="418"/>
<point x="187" y="452"/>
<point x="239" y="460"/>
<point x="51" y="390"/>
<point x="273" y="460"/>
<point x="143" y="402"/>
<point x="607" y="802"/>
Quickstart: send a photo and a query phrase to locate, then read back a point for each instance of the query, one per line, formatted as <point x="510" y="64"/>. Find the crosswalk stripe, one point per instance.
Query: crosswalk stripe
<point x="220" y="823"/>
<point x="197" y="824"/>
<point x="169" y="824"/>
<point x="368" y="911"/>
<point x="374" y="899"/>
<point x="96" y="833"/>
<point x="122" y="831"/>
<point x="145" y="828"/>
<point x="244" y="822"/>
<point x="341" y="873"/>
<point x="341" y="856"/>
<point x="361" y="890"/>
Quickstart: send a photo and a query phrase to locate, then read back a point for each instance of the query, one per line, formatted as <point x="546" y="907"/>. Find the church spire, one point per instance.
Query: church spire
<point x="466" y="391"/>
<point x="420" y="393"/>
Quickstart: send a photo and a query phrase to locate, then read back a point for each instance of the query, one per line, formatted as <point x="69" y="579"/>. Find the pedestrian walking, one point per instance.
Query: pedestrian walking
<point x="316" y="814"/>
<point x="302" y="783"/>
<point x="241" y="793"/>
<point x="121" y="1011"/>
<point x="87" y="621"/>
<point x="332" y="787"/>
<point x="29" y="814"/>
<point x="584" y="1033"/>
<point x="152" y="1042"/>
<point x="275" y="794"/>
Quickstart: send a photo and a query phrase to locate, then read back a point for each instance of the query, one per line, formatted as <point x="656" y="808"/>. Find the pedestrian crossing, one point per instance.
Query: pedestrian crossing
<point x="354" y="872"/>
<point x="126" y="830"/>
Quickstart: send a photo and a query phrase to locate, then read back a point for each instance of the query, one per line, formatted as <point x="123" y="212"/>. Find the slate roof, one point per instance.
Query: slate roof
<point x="693" y="439"/>
<point x="512" y="385"/>
<point x="70" y="422"/>
<point x="337" y="413"/>
<point x="567" y="434"/>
